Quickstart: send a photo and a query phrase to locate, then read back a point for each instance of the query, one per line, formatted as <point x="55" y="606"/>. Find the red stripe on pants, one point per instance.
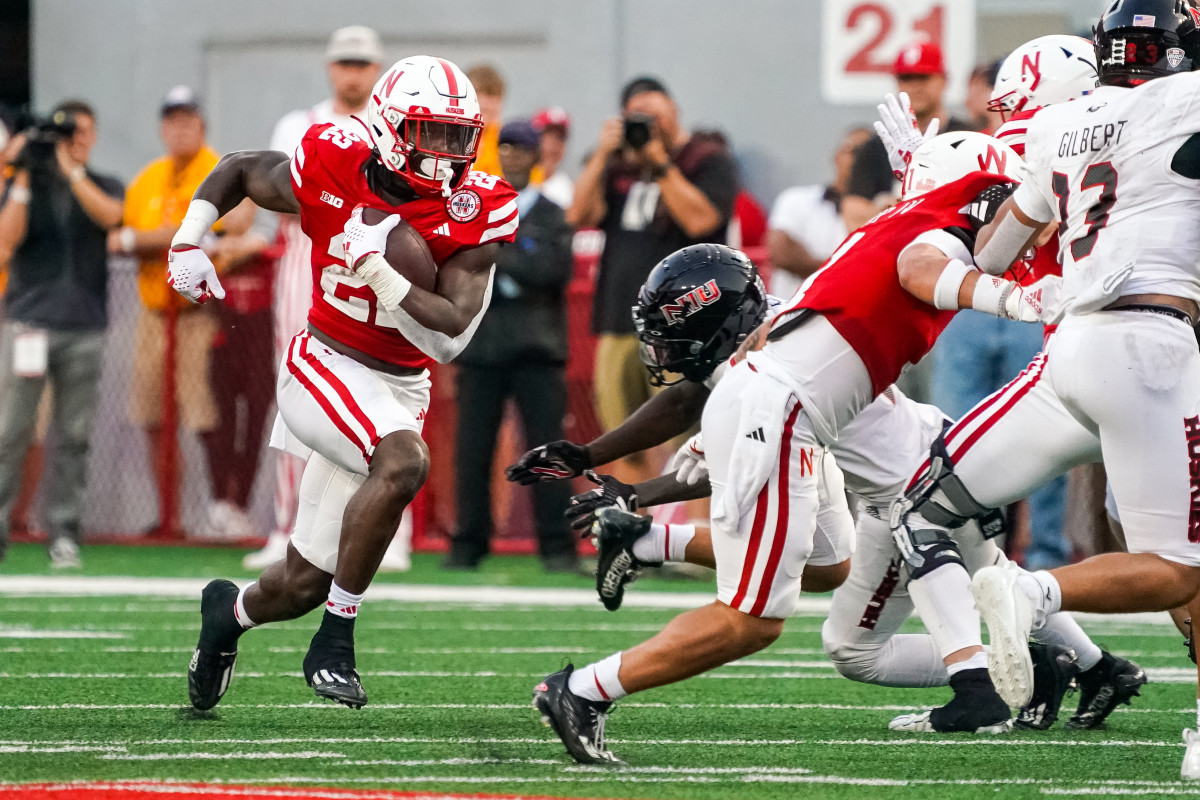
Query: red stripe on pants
<point x="781" y="517"/>
<point x="324" y="403"/>
<point x="988" y="423"/>
<point x="342" y="392"/>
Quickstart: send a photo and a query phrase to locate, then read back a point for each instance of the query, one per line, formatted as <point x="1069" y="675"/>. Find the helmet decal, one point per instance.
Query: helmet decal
<point x="687" y="304"/>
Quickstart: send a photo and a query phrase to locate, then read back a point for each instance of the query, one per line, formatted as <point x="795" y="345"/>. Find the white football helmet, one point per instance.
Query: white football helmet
<point x="424" y="119"/>
<point x="950" y="156"/>
<point x="1047" y="70"/>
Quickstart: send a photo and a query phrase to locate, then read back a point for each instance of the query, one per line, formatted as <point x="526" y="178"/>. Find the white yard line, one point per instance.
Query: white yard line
<point x="483" y="596"/>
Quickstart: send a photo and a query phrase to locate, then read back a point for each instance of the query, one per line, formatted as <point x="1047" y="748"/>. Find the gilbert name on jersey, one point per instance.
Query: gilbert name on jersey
<point x="328" y="181"/>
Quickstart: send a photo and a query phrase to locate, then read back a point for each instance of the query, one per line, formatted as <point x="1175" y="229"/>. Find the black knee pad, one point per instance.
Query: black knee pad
<point x="932" y="555"/>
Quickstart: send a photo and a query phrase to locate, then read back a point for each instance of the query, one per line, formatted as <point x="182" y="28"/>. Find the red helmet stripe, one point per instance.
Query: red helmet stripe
<point x="451" y="80"/>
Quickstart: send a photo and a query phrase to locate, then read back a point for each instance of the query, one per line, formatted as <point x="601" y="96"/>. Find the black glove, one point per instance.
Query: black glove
<point x="582" y="508"/>
<point x="550" y="462"/>
<point x="983" y="208"/>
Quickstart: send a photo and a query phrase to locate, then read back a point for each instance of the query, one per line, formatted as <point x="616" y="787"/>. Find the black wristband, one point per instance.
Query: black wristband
<point x="659" y="171"/>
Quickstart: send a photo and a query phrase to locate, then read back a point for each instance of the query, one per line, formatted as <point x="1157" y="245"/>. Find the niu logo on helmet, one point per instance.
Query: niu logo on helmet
<point x="687" y="304"/>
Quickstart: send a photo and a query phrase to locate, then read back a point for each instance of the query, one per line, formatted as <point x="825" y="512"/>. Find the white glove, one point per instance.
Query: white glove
<point x="192" y="274"/>
<point x="688" y="462"/>
<point x="897" y="127"/>
<point x="1040" y="301"/>
<point x="361" y="240"/>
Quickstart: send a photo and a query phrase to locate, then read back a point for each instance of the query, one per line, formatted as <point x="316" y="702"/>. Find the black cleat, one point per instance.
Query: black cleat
<point x="975" y="708"/>
<point x="614" y="533"/>
<point x="1054" y="670"/>
<point x="339" y="684"/>
<point x="329" y="665"/>
<point x="1104" y="687"/>
<point x="579" y="723"/>
<point x="212" y="663"/>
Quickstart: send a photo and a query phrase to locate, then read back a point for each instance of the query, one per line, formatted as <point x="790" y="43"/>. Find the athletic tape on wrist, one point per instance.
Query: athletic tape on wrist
<point x="945" y="292"/>
<point x="991" y="294"/>
<point x="201" y="216"/>
<point x="389" y="286"/>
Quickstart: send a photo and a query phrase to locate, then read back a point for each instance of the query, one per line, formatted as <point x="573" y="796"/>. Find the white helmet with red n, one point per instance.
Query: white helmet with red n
<point x="424" y="119"/>
<point x="1048" y="70"/>
<point x="950" y="156"/>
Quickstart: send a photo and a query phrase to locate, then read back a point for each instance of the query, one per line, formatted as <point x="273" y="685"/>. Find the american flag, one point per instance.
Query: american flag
<point x="1143" y="20"/>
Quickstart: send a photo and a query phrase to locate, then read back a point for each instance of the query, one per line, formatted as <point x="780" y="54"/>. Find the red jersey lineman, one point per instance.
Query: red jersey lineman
<point x="354" y="385"/>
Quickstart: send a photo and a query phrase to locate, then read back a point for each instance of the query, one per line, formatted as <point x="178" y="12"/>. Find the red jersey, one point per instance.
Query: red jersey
<point x="328" y="180"/>
<point x="859" y="292"/>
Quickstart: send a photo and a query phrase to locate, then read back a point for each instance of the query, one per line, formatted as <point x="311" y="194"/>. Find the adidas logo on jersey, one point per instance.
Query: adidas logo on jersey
<point x="757" y="435"/>
<point x="443" y="229"/>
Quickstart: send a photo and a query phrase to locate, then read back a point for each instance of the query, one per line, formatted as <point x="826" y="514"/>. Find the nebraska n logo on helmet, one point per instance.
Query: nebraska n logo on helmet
<point x="425" y="122"/>
<point x="1042" y="72"/>
<point x="696" y="307"/>
<point x="950" y="156"/>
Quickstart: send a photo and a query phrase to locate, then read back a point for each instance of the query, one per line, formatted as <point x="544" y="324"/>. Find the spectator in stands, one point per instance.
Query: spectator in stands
<point x="806" y="226"/>
<point x="979" y="92"/>
<point x="156" y="202"/>
<point x="519" y="351"/>
<point x="353" y="59"/>
<point x="652" y="188"/>
<point x="920" y="71"/>
<point x="489" y="87"/>
<point x="53" y="222"/>
<point x="554" y="125"/>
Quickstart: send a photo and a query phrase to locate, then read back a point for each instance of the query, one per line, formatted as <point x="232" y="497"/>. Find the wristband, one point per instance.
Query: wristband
<point x="991" y="296"/>
<point x="945" y="291"/>
<point x="77" y="174"/>
<point x="659" y="171"/>
<point x="201" y="216"/>
<point x="20" y="195"/>
<point x="127" y="239"/>
<point x="389" y="286"/>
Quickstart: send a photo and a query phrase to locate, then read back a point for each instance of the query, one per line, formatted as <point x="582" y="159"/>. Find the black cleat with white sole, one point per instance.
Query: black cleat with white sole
<point x="329" y="665"/>
<point x="1054" y="670"/>
<point x="211" y="668"/>
<point x="614" y="533"/>
<point x="1111" y="682"/>
<point x="975" y="708"/>
<point x="578" y="722"/>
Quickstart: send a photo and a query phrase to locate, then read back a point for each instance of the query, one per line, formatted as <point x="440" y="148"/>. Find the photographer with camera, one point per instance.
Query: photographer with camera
<point x="53" y="223"/>
<point x="653" y="188"/>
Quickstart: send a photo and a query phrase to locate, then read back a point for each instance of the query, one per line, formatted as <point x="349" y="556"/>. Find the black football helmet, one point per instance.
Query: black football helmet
<point x="1139" y="40"/>
<point x="695" y="308"/>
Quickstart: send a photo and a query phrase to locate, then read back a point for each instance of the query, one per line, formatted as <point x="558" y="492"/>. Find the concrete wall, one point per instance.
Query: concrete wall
<point x="748" y="67"/>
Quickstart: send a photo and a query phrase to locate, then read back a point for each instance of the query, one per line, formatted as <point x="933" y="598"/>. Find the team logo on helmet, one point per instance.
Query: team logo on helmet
<point x="464" y="205"/>
<point x="687" y="304"/>
<point x="1195" y="12"/>
<point x="1175" y="56"/>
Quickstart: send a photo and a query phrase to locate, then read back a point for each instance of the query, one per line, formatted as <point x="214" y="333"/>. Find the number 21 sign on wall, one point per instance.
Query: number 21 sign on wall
<point x="861" y="38"/>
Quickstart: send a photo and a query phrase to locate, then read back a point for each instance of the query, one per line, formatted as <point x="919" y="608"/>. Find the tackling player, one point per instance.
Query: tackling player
<point x="1120" y="173"/>
<point x="355" y="385"/>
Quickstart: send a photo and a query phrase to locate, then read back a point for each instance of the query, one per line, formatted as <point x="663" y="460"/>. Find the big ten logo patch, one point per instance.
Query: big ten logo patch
<point x="332" y="200"/>
<point x="687" y="304"/>
<point x="1191" y="430"/>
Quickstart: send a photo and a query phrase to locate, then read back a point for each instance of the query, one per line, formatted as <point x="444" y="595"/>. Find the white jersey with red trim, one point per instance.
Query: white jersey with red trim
<point x="1102" y="166"/>
<point x="329" y="181"/>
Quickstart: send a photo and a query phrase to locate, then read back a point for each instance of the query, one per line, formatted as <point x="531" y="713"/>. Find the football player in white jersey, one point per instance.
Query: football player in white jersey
<point x="1120" y="382"/>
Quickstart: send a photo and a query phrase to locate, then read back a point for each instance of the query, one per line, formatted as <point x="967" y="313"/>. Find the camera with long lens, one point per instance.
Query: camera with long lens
<point x="41" y="137"/>
<point x="638" y="128"/>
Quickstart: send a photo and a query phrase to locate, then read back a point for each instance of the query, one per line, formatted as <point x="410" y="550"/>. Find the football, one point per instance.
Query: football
<point x="406" y="251"/>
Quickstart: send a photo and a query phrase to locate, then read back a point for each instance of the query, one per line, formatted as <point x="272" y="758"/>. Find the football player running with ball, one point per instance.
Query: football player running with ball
<point x="1119" y="171"/>
<point x="354" y="386"/>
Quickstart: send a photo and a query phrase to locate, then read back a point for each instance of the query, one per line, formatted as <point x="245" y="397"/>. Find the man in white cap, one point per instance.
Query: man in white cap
<point x="354" y="57"/>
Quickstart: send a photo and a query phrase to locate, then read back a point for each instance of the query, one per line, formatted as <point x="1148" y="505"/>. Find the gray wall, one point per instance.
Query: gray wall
<point x="748" y="67"/>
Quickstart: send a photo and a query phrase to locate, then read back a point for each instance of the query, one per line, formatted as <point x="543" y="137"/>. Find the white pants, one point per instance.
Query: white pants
<point x="333" y="405"/>
<point x="1117" y="386"/>
<point x="861" y="634"/>
<point x="767" y="471"/>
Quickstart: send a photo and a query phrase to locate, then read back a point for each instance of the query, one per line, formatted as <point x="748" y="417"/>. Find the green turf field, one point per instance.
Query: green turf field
<point x="450" y="686"/>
